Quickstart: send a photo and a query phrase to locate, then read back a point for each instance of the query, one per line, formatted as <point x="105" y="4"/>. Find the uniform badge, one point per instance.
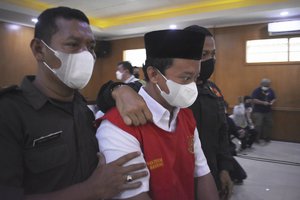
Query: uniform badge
<point x="190" y="141"/>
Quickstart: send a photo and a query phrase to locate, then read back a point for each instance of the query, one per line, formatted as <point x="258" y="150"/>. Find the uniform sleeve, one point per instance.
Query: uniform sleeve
<point x="104" y="99"/>
<point x="224" y="157"/>
<point x="114" y="143"/>
<point x="201" y="167"/>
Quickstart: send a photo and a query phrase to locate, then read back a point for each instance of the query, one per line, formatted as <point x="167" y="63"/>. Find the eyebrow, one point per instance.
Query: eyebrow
<point x="187" y="73"/>
<point x="72" y="37"/>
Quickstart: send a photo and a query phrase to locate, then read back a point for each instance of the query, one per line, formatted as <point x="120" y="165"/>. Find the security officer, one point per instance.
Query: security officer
<point x="48" y="148"/>
<point x="209" y="112"/>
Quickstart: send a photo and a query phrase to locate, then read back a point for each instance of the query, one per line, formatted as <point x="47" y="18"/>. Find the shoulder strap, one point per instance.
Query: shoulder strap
<point x="214" y="88"/>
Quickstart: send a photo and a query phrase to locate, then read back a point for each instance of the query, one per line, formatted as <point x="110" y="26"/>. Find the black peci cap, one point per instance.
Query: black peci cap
<point x="174" y="44"/>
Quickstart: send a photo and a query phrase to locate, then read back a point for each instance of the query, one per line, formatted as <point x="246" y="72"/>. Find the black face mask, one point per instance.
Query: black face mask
<point x="207" y="68"/>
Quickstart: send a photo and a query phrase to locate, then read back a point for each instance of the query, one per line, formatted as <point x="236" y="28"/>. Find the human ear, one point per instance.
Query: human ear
<point x="152" y="74"/>
<point x="37" y="49"/>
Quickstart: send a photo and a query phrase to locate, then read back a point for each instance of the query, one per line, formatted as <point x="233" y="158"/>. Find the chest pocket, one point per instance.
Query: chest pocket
<point x="39" y="160"/>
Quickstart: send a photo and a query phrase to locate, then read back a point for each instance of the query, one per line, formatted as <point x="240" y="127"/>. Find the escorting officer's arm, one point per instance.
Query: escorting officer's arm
<point x="132" y="107"/>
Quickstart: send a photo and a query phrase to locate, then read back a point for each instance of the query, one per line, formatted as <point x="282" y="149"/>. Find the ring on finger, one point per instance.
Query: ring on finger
<point x="129" y="178"/>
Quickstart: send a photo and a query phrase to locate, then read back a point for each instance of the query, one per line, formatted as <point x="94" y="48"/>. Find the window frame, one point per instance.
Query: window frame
<point x="271" y="63"/>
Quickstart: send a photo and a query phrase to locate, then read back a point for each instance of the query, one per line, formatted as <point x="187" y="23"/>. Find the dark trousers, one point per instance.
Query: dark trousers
<point x="263" y="124"/>
<point x="238" y="173"/>
<point x="251" y="136"/>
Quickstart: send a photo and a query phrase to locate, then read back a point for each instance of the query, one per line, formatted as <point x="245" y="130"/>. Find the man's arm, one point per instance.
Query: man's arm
<point x="114" y="143"/>
<point x="106" y="181"/>
<point x="273" y="97"/>
<point x="224" y="159"/>
<point x="260" y="102"/>
<point x="256" y="100"/>
<point x="206" y="188"/>
<point x="131" y="106"/>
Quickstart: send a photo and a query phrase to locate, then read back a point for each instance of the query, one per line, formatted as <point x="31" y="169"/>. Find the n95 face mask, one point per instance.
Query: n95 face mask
<point x="181" y="96"/>
<point x="75" y="70"/>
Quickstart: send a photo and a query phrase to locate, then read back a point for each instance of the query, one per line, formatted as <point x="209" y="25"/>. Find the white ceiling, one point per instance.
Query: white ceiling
<point x="112" y="19"/>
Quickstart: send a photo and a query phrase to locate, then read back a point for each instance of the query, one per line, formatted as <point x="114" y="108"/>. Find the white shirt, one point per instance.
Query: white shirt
<point x="114" y="143"/>
<point x="131" y="79"/>
<point x="99" y="114"/>
<point x="239" y="115"/>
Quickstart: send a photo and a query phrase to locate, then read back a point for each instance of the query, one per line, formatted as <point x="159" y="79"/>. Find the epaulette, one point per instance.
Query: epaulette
<point x="214" y="88"/>
<point x="8" y="89"/>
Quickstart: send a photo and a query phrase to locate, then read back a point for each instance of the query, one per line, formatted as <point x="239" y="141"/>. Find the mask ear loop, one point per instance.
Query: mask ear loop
<point x="161" y="91"/>
<point x="44" y="61"/>
<point x="49" y="67"/>
<point x="161" y="74"/>
<point x="47" y="46"/>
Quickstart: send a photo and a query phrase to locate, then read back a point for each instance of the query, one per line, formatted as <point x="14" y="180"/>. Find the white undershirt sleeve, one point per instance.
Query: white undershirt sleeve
<point x="201" y="167"/>
<point x="114" y="143"/>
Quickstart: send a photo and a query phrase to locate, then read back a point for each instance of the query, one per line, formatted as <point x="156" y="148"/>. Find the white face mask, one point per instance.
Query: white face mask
<point x="264" y="88"/>
<point x="75" y="70"/>
<point x="119" y="75"/>
<point x="181" y="96"/>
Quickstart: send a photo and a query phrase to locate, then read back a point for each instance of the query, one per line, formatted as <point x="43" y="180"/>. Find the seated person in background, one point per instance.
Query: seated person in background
<point x="242" y="119"/>
<point x="237" y="174"/>
<point x="170" y="144"/>
<point x="124" y="72"/>
<point x="136" y="72"/>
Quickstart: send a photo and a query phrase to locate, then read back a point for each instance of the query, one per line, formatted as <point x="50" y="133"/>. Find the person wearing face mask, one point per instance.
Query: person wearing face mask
<point x="124" y="72"/>
<point x="48" y="146"/>
<point x="263" y="99"/>
<point x="169" y="145"/>
<point x="136" y="72"/>
<point x="241" y="116"/>
<point x="208" y="110"/>
<point x="211" y="120"/>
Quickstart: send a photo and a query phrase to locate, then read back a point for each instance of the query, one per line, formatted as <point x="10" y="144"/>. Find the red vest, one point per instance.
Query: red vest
<point x="169" y="156"/>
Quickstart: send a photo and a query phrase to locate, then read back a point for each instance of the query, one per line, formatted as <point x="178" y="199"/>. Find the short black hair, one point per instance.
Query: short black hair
<point x="126" y="65"/>
<point x="159" y="63"/>
<point x="199" y="29"/>
<point x="46" y="25"/>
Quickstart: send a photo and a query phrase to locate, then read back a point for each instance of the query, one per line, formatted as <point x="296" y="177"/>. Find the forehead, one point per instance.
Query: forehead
<point x="209" y="44"/>
<point x="67" y="28"/>
<point x="184" y="66"/>
<point x="120" y="67"/>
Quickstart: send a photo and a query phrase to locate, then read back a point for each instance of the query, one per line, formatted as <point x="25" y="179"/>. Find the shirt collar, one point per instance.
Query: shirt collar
<point x="130" y="79"/>
<point x="160" y="114"/>
<point x="35" y="97"/>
